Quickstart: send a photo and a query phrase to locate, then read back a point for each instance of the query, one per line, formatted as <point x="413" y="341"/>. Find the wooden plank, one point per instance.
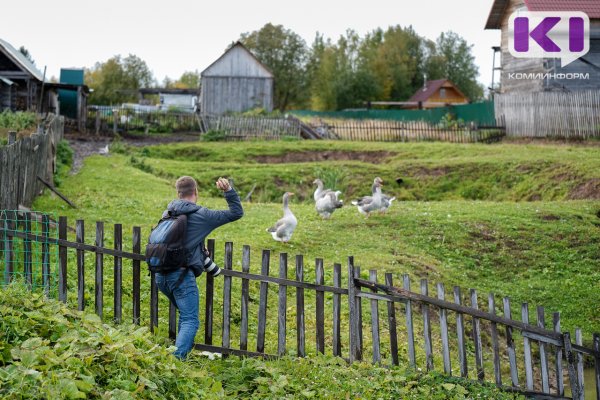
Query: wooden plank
<point x="227" y="265"/>
<point x="444" y="331"/>
<point x="137" y="248"/>
<point x="27" y="250"/>
<point x="282" y="306"/>
<point x="403" y="295"/>
<point x="477" y="338"/>
<point x="262" y="307"/>
<point x="543" y="360"/>
<point x="118" y="275"/>
<point x="576" y="388"/>
<point x="80" y="235"/>
<point x="153" y="302"/>
<point x="245" y="299"/>
<point x="597" y="359"/>
<point x="172" y="320"/>
<point x="99" y="271"/>
<point x="527" y="349"/>
<point x="320" y="307"/>
<point x="391" y="309"/>
<point x="460" y="335"/>
<point x="510" y="345"/>
<point x="210" y="293"/>
<point x="300" y="328"/>
<point x="495" y="347"/>
<point x="560" y="385"/>
<point x="9" y="256"/>
<point x="359" y="314"/>
<point x="409" y="324"/>
<point x="375" y="323"/>
<point x="353" y="313"/>
<point x="337" y="304"/>
<point x="62" y="260"/>
<point x="580" y="371"/>
<point x="426" y="327"/>
<point x="46" y="255"/>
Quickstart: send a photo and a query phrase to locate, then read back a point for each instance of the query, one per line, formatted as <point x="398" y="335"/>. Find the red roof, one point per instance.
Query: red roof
<point x="499" y="7"/>
<point x="590" y="7"/>
<point x="423" y="94"/>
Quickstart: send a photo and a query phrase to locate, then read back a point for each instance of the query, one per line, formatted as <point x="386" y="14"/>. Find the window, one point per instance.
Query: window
<point x="443" y="93"/>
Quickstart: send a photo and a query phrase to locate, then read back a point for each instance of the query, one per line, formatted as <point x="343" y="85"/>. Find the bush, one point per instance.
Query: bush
<point x="64" y="161"/>
<point x="18" y="121"/>
<point x="214" y="136"/>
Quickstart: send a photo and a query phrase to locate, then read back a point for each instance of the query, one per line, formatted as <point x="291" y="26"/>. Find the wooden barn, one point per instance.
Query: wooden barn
<point x="236" y="82"/>
<point x="590" y="63"/>
<point x="20" y="80"/>
<point x="437" y="93"/>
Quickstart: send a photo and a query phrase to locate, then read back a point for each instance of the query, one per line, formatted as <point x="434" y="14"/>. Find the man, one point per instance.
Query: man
<point x="180" y="285"/>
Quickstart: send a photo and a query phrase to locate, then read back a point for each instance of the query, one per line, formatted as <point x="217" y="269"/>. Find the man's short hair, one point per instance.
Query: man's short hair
<point x="186" y="186"/>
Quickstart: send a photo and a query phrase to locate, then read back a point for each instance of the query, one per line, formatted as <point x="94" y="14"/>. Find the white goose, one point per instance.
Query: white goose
<point x="283" y="229"/>
<point x="327" y="204"/>
<point x="367" y="204"/>
<point x="319" y="191"/>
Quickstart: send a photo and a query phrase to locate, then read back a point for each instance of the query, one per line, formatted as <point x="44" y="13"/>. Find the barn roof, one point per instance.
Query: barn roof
<point x="239" y="44"/>
<point x="590" y="7"/>
<point x="19" y="59"/>
<point x="430" y="87"/>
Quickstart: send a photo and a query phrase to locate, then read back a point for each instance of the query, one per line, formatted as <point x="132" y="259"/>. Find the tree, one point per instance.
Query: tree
<point x="188" y="80"/>
<point x="117" y="80"/>
<point x="453" y="57"/>
<point x="285" y="54"/>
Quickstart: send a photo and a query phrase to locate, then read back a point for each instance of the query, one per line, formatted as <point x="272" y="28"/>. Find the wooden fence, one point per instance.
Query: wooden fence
<point x="105" y="119"/>
<point x="574" y="115"/>
<point x="23" y="161"/>
<point x="246" y="127"/>
<point x="406" y="131"/>
<point x="381" y="322"/>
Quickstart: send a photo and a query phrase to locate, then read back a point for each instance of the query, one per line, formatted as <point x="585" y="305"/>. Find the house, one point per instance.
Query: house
<point x="236" y="82"/>
<point x="185" y="100"/>
<point x="537" y="74"/>
<point x="437" y="93"/>
<point x="20" y="80"/>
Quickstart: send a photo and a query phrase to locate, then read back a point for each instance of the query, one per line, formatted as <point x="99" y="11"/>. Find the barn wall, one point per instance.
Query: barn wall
<point x="235" y="94"/>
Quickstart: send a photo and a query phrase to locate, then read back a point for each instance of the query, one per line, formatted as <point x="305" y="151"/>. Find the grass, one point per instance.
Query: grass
<point x="544" y="252"/>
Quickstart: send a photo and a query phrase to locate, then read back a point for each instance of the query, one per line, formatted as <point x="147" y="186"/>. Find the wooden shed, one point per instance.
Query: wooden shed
<point x="236" y="82"/>
<point x="437" y="93"/>
<point x="510" y="66"/>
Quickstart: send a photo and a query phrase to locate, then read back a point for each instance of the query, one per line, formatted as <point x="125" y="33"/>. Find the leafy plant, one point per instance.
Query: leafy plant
<point x="18" y="121"/>
<point x="213" y="136"/>
<point x="64" y="161"/>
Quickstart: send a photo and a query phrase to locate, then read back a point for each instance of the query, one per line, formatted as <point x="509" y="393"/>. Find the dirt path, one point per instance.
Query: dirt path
<point x="84" y="145"/>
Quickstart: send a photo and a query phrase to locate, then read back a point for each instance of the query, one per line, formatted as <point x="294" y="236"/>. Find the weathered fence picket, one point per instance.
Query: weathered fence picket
<point x="566" y="357"/>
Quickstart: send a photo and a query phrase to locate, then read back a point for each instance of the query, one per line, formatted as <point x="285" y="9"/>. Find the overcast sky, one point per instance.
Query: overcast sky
<point x="175" y="36"/>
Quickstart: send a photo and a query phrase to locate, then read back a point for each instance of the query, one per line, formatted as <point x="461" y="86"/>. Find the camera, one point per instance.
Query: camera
<point x="209" y="265"/>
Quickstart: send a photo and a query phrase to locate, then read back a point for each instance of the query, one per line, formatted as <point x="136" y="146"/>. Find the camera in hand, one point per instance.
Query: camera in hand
<point x="209" y="265"/>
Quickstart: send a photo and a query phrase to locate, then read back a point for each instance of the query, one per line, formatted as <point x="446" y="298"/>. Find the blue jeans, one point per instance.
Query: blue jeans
<point x="185" y="297"/>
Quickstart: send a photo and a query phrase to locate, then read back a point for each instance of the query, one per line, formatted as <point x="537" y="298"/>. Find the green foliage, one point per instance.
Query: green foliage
<point x="117" y="80"/>
<point x="19" y="120"/>
<point x="449" y="121"/>
<point x="213" y="136"/>
<point x="49" y="351"/>
<point x="64" y="161"/>
<point x="285" y="53"/>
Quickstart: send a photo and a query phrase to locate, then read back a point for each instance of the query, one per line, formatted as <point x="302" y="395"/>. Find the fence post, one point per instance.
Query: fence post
<point x="391" y="308"/>
<point x="99" y="290"/>
<point x="262" y="307"/>
<point x="543" y="359"/>
<point x="245" y="298"/>
<point x="80" y="235"/>
<point x="597" y="363"/>
<point x="210" y="290"/>
<point x="62" y="259"/>
<point x="580" y="372"/>
<point x="527" y="349"/>
<point x="118" y="275"/>
<point x="575" y="387"/>
<point x="559" y="376"/>
<point x="227" y="295"/>
<point x="426" y="327"/>
<point x="300" y="340"/>
<point x="460" y="334"/>
<point x="46" y="254"/>
<point x="409" y="324"/>
<point x="282" y="305"/>
<point x="510" y="345"/>
<point x="375" y="322"/>
<point x="353" y="312"/>
<point x="137" y="248"/>
<point x="320" y="307"/>
<point x="337" y="282"/>
<point x="477" y="338"/>
<point x="12" y="137"/>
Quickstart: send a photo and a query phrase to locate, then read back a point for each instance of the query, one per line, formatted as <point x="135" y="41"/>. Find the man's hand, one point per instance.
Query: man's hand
<point x="223" y="184"/>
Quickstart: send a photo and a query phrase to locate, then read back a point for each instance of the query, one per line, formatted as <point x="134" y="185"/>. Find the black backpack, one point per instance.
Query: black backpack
<point x="165" y="251"/>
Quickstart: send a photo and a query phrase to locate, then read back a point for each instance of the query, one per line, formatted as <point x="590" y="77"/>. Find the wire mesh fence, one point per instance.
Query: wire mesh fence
<point x="33" y="259"/>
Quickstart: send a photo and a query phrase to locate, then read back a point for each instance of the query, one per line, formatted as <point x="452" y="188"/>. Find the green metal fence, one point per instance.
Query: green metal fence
<point x="31" y="261"/>
<point x="480" y="113"/>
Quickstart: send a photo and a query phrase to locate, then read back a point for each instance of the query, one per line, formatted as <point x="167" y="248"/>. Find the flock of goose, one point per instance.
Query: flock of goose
<point x="326" y="202"/>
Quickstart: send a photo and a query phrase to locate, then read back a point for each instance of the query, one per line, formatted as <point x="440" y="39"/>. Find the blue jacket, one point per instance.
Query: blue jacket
<point x="202" y="221"/>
